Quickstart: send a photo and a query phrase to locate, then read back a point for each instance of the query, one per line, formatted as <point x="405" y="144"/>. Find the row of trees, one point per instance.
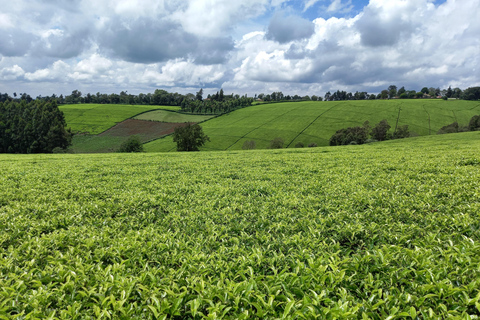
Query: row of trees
<point x="32" y="127"/>
<point x="365" y="133"/>
<point x="163" y="97"/>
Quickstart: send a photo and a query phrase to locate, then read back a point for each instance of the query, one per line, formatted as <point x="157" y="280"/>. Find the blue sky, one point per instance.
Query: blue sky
<point x="243" y="46"/>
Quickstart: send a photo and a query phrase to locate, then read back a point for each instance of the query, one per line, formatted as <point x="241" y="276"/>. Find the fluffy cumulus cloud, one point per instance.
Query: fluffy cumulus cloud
<point x="244" y="46"/>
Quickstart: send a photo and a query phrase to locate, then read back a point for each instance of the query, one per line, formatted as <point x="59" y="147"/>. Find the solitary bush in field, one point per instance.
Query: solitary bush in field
<point x="189" y="138"/>
<point x="299" y="145"/>
<point x="249" y="145"/>
<point x="312" y="145"/>
<point x="133" y="144"/>
<point x="276" y="143"/>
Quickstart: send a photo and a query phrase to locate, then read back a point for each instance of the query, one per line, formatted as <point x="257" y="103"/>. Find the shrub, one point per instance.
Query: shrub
<point x="402" y="132"/>
<point x="299" y="145"/>
<point x="346" y="136"/>
<point x="474" y="123"/>
<point x="132" y="144"/>
<point x="276" y="143"/>
<point x="450" y="128"/>
<point x="312" y="145"/>
<point x="379" y="132"/>
<point x="249" y="145"/>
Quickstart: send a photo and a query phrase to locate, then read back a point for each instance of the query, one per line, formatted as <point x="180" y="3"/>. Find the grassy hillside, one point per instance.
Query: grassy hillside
<point x="316" y="122"/>
<point x="172" y="117"/>
<point x="388" y="230"/>
<point x="96" y="118"/>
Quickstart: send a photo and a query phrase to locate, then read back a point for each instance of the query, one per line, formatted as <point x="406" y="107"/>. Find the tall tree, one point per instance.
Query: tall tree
<point x="199" y="95"/>
<point x="392" y="91"/>
<point x="190" y="137"/>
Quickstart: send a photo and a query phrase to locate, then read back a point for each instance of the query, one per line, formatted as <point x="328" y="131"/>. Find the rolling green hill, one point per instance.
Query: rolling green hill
<point x="316" y="122"/>
<point x="172" y="117"/>
<point x="96" y="118"/>
<point x="378" y="231"/>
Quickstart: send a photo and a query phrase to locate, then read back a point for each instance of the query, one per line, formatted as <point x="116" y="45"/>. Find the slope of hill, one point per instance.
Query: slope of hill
<point x="96" y="118"/>
<point x="316" y="122"/>
<point x="387" y="230"/>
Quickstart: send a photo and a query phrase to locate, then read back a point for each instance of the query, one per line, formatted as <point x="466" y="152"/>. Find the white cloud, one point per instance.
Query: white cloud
<point x="143" y="44"/>
<point x="217" y="17"/>
<point x="58" y="71"/>
<point x="11" y="73"/>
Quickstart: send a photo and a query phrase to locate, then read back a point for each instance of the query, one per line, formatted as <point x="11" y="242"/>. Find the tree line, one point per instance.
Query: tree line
<point x="392" y="92"/>
<point x="163" y="97"/>
<point x="32" y="127"/>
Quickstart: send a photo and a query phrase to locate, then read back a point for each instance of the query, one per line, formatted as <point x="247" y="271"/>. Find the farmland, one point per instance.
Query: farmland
<point x="171" y="117"/>
<point x="96" y="118"/>
<point x="315" y="122"/>
<point x="386" y="230"/>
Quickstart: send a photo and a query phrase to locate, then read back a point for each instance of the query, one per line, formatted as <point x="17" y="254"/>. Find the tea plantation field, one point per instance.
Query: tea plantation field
<point x="381" y="231"/>
<point x="96" y="118"/>
<point x="315" y="122"/>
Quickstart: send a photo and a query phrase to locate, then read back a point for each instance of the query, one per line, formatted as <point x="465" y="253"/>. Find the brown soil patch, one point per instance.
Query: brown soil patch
<point x="146" y="130"/>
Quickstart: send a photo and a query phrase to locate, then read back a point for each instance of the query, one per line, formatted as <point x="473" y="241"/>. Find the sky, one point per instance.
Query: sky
<point x="243" y="46"/>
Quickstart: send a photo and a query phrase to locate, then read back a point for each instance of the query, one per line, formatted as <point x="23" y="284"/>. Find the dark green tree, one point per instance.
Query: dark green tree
<point x="199" y="95"/>
<point x="132" y="144"/>
<point x="379" y="132"/>
<point x="392" y="91"/>
<point x="474" y="124"/>
<point x="353" y="135"/>
<point x="35" y="127"/>
<point x="276" y="143"/>
<point x="189" y="138"/>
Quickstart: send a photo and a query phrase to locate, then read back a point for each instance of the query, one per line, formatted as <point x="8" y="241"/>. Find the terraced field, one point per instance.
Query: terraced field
<point x="172" y="117"/>
<point x="381" y="231"/>
<point x="316" y="122"/>
<point x="96" y="118"/>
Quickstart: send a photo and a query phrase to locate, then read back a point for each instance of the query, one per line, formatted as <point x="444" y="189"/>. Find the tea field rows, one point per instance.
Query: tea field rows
<point x="315" y="122"/>
<point x="96" y="118"/>
<point x="380" y="231"/>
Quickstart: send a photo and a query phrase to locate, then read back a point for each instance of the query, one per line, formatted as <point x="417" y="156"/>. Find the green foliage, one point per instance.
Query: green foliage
<point x="312" y="145"/>
<point x="402" y="132"/>
<point x="299" y="145"/>
<point x="471" y="94"/>
<point x="449" y="128"/>
<point x="249" y="145"/>
<point x="277" y="143"/>
<point x="379" y="132"/>
<point x="34" y="127"/>
<point x="375" y="231"/>
<point x="474" y="124"/>
<point x="358" y="135"/>
<point x="132" y="144"/>
<point x="189" y="138"/>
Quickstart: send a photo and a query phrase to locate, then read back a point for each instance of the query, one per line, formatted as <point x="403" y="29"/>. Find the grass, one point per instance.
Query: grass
<point x="96" y="144"/>
<point x="96" y="118"/>
<point x="174" y="117"/>
<point x="379" y="231"/>
<point x="316" y="122"/>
